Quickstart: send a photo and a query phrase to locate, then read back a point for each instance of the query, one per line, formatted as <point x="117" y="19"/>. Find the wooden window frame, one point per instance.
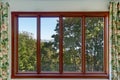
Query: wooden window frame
<point x="60" y="74"/>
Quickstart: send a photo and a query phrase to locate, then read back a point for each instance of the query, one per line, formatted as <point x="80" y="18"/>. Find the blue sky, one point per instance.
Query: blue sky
<point x="47" y="26"/>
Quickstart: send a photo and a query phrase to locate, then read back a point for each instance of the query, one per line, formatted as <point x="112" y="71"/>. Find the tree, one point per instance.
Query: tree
<point x="94" y="43"/>
<point x="72" y="42"/>
<point x="49" y="57"/>
<point x="26" y="52"/>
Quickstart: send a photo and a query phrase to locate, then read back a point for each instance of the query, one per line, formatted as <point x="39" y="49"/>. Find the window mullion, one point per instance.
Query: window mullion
<point x="83" y="44"/>
<point x="105" y="46"/>
<point x="38" y="46"/>
<point x="60" y="45"/>
<point x="16" y="41"/>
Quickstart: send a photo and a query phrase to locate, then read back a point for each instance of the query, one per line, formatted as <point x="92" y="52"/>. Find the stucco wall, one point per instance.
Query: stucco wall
<point x="55" y="5"/>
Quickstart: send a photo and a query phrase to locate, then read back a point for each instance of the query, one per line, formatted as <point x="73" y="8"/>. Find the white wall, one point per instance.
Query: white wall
<point x="55" y="5"/>
<point x="59" y="5"/>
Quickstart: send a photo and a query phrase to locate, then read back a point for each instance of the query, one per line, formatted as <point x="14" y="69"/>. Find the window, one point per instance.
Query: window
<point x="60" y="45"/>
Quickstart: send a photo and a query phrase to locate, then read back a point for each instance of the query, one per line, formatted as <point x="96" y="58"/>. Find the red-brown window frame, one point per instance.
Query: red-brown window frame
<point x="61" y="74"/>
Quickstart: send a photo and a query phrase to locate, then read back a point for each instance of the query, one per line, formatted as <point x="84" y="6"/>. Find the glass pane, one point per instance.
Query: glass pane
<point x="27" y="44"/>
<point x="94" y="43"/>
<point x="49" y="44"/>
<point x="72" y="44"/>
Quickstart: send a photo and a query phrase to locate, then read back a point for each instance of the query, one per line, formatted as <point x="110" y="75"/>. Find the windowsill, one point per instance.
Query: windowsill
<point x="64" y="75"/>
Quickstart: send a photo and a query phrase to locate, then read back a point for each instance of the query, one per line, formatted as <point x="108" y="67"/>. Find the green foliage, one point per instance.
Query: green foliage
<point x="27" y="52"/>
<point x="72" y="36"/>
<point x="72" y="44"/>
<point x="72" y="47"/>
<point x="94" y="44"/>
<point x="49" y="57"/>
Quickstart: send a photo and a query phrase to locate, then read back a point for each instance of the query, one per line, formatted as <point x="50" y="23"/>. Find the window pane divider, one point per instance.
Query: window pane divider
<point x="38" y="46"/>
<point x="16" y="46"/>
<point x="60" y="45"/>
<point x="83" y="44"/>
